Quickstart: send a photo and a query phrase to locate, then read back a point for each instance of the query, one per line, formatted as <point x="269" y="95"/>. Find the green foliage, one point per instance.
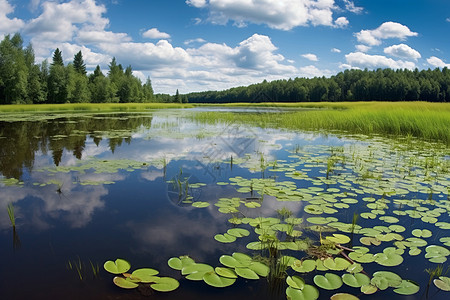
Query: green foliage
<point x="22" y="81"/>
<point x="350" y="85"/>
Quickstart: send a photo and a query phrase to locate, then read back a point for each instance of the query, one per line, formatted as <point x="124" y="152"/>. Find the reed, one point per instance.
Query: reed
<point x="11" y="215"/>
<point x="429" y="121"/>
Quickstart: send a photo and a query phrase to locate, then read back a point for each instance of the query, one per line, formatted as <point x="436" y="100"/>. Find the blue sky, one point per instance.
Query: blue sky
<point x="198" y="45"/>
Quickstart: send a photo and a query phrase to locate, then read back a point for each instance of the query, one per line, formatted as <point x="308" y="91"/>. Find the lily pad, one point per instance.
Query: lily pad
<point x="145" y="275"/>
<point x="329" y="281"/>
<point x="246" y="273"/>
<point x="336" y="264"/>
<point x="388" y="258"/>
<point x="238" y="232"/>
<point x="343" y="296"/>
<point x="260" y="268"/>
<point x="357" y="280"/>
<point x="215" y="280"/>
<point x="119" y="266"/>
<point x="123" y="283"/>
<point x="225" y="238"/>
<point x="437" y="254"/>
<point x="309" y="292"/>
<point x="304" y="266"/>
<point x="407" y="287"/>
<point x="368" y="289"/>
<point x="425" y="233"/>
<point x="338" y="238"/>
<point x="295" y="282"/>
<point x="165" y="284"/>
<point x="385" y="279"/>
<point x="442" y="283"/>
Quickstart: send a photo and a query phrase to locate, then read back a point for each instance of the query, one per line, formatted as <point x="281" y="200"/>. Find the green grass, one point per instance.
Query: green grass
<point x="429" y="121"/>
<point x="88" y="107"/>
<point x="11" y="215"/>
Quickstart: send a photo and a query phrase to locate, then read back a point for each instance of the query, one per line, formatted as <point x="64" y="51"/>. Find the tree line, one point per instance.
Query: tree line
<point x="350" y="85"/>
<point x="24" y="81"/>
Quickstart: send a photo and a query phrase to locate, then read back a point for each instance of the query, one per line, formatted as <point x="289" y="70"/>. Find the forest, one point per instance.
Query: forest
<point x="22" y="81"/>
<point x="350" y="85"/>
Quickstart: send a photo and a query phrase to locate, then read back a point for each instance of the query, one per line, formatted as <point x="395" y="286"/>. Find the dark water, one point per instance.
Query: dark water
<point x="88" y="188"/>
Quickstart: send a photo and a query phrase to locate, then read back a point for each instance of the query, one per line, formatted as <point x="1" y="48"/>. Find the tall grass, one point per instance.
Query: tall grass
<point x="430" y="121"/>
<point x="11" y="215"/>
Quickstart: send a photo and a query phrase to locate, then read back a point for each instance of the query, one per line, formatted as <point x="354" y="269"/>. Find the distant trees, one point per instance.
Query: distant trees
<point x="350" y="85"/>
<point x="23" y="81"/>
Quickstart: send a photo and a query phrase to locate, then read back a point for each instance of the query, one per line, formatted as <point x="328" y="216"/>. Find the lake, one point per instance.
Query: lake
<point x="280" y="213"/>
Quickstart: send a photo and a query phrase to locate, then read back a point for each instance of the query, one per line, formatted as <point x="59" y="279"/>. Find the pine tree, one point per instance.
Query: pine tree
<point x="78" y="63"/>
<point x="177" y="98"/>
<point x="57" y="58"/>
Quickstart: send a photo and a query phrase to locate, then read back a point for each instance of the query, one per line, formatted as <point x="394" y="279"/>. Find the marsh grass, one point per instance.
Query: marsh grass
<point x="430" y="121"/>
<point x="11" y="215"/>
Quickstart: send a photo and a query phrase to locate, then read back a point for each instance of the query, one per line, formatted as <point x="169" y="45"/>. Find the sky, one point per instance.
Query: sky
<point x="199" y="45"/>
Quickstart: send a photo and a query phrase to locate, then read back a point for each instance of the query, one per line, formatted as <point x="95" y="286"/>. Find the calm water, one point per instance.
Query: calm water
<point x="88" y="188"/>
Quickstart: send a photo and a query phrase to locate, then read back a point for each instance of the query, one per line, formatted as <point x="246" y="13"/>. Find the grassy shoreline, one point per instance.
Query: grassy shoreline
<point x="430" y="121"/>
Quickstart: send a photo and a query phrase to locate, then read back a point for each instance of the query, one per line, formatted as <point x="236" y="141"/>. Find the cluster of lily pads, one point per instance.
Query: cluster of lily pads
<point x="234" y="266"/>
<point x="145" y="276"/>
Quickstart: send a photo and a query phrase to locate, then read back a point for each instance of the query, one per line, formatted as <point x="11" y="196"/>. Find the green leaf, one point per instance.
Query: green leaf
<point x="238" y="232"/>
<point x="337" y="264"/>
<point x="165" y="284"/>
<point x="123" y="283"/>
<point x="120" y="266"/>
<point x="200" y="204"/>
<point x="295" y="282"/>
<point x="226" y="272"/>
<point x="368" y="289"/>
<point x="354" y="268"/>
<point x="225" y="238"/>
<point x="196" y="268"/>
<point x="175" y="263"/>
<point x="305" y="266"/>
<point x="425" y="233"/>
<point x="329" y="282"/>
<point x="309" y="292"/>
<point x="343" y="296"/>
<point x="145" y="275"/>
<point x="215" y="280"/>
<point x="357" y="280"/>
<point x="442" y="283"/>
<point x="246" y="273"/>
<point x="386" y="279"/>
<point x="260" y="268"/>
<point x="388" y="258"/>
<point x="407" y="287"/>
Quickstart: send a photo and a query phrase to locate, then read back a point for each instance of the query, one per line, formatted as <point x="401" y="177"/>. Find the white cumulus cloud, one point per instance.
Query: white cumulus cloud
<point x="154" y="33"/>
<point x="402" y="51"/>
<point x="192" y="41"/>
<point x="363" y="60"/>
<point x="350" y="6"/>
<point x="310" y="56"/>
<point x="280" y="14"/>
<point x="386" y="30"/>
<point x="437" y="62"/>
<point x="8" y="25"/>
<point x="313" y="71"/>
<point x="336" y="50"/>
<point x="362" y="48"/>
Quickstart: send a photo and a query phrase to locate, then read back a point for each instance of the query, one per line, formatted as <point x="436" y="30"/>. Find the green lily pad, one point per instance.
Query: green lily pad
<point x="123" y="283"/>
<point x="304" y="266"/>
<point x="414" y="251"/>
<point x="385" y="279"/>
<point x="365" y="240"/>
<point x="416" y="242"/>
<point x="215" y="280"/>
<point x="336" y="264"/>
<point x="196" y="269"/>
<point x="200" y="204"/>
<point x="145" y="275"/>
<point x="260" y="268"/>
<point x="442" y="283"/>
<point x="354" y="268"/>
<point x="338" y="238"/>
<point x="362" y="257"/>
<point x="295" y="282"/>
<point x="437" y="254"/>
<point x="388" y="258"/>
<point x="246" y="273"/>
<point x="389" y="219"/>
<point x="225" y="238"/>
<point x="407" y="287"/>
<point x="425" y="233"/>
<point x="368" y="289"/>
<point x="309" y="292"/>
<point x="226" y="272"/>
<point x="329" y="281"/>
<point x="357" y="280"/>
<point x="175" y="263"/>
<point x="445" y="241"/>
<point x="120" y="266"/>
<point x="165" y="284"/>
<point x="238" y="232"/>
<point x="343" y="296"/>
